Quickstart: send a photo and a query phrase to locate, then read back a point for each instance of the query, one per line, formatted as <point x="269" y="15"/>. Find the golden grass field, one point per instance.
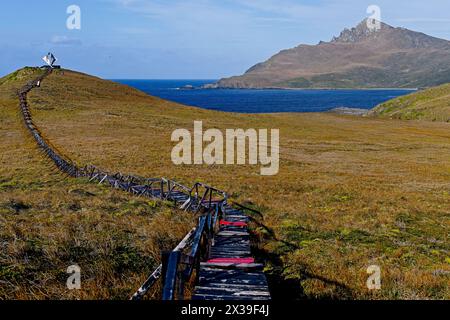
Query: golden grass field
<point x="351" y="192"/>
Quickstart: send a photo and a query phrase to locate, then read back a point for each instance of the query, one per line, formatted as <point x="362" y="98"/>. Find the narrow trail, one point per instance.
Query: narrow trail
<point x="216" y="253"/>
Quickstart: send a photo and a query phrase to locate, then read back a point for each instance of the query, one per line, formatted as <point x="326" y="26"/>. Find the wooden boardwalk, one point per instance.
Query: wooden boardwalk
<point x="217" y="249"/>
<point x="230" y="272"/>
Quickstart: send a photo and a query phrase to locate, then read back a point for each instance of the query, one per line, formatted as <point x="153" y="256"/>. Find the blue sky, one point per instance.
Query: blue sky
<point x="188" y="39"/>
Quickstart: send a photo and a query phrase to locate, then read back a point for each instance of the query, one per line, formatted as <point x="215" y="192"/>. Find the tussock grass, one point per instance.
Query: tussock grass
<point x="351" y="192"/>
<point x="431" y="104"/>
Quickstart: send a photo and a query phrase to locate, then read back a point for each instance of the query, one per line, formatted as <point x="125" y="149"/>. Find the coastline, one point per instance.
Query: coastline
<point x="212" y="86"/>
<point x="316" y="89"/>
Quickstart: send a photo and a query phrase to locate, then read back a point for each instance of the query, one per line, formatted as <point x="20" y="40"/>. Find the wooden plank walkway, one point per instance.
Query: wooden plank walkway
<point x="231" y="273"/>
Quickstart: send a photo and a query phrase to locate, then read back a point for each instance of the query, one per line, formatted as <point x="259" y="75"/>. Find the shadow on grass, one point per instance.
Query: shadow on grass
<point x="283" y="288"/>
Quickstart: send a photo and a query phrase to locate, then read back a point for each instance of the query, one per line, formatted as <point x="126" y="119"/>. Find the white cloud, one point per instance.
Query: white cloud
<point x="65" y="41"/>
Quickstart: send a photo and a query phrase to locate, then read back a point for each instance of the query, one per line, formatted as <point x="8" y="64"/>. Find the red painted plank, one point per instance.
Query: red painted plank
<point x="233" y="224"/>
<point x="232" y="260"/>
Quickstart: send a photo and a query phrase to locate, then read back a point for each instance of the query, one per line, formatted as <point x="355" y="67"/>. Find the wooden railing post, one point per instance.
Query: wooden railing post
<point x="164" y="262"/>
<point x="210" y="198"/>
<point x="169" y="190"/>
<point x="171" y="276"/>
<point x="180" y="295"/>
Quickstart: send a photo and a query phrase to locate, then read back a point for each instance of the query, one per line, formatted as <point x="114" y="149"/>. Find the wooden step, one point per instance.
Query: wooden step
<point x="237" y="218"/>
<point x="235" y="213"/>
<point x="222" y="284"/>
<point x="233" y="229"/>
<point x="230" y="247"/>
<point x="228" y="223"/>
<point x="239" y="254"/>
<point x="236" y="276"/>
<point x="216" y="296"/>
<point x="233" y="233"/>
<point x="231" y="293"/>
<point x="230" y="240"/>
<point x="247" y="266"/>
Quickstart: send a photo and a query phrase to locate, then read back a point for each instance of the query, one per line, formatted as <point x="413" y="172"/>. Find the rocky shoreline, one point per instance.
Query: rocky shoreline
<point x="350" y="111"/>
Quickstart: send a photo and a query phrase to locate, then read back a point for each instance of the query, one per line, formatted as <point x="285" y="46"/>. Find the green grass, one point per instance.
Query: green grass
<point x="431" y="104"/>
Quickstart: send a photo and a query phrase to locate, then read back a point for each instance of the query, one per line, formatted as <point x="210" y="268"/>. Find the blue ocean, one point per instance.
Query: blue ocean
<point x="261" y="101"/>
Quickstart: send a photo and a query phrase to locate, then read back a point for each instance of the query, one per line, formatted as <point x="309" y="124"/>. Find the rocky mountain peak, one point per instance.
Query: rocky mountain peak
<point x="364" y="30"/>
<point x="384" y="57"/>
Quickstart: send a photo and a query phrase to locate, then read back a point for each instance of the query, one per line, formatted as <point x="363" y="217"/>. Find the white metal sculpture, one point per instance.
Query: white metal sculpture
<point x="50" y="59"/>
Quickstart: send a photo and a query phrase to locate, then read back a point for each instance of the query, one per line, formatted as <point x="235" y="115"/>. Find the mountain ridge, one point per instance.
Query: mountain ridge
<point x="357" y="58"/>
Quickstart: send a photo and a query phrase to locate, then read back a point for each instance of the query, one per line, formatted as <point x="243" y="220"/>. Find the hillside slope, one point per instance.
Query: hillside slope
<point x="358" y="58"/>
<point x="431" y="104"/>
<point x="351" y="192"/>
<point x="49" y="222"/>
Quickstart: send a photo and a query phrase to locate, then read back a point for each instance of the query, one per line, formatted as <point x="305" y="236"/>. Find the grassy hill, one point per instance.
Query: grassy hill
<point x="351" y="192"/>
<point x="430" y="104"/>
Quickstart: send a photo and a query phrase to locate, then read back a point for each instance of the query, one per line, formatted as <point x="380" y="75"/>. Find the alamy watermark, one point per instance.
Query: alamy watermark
<point x="74" y="280"/>
<point x="374" y="280"/>
<point x="238" y="146"/>
<point x="374" y="20"/>
<point x="73" y="22"/>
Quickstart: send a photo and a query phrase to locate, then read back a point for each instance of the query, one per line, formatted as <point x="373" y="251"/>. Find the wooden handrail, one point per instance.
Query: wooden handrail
<point x="142" y="291"/>
<point x="180" y="267"/>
